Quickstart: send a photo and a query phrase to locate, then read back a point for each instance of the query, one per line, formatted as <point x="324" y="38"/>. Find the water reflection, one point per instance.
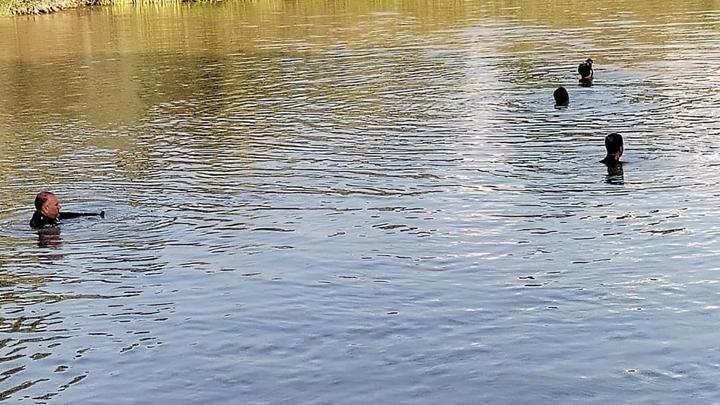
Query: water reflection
<point x="585" y="82"/>
<point x="615" y="174"/>
<point x="50" y="238"/>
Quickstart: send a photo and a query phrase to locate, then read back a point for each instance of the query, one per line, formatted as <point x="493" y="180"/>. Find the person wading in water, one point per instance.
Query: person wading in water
<point x="586" y="72"/>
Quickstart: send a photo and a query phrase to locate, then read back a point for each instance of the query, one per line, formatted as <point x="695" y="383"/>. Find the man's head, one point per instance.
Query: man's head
<point x="561" y="96"/>
<point x="47" y="204"/>
<point x="585" y="69"/>
<point x="614" y="146"/>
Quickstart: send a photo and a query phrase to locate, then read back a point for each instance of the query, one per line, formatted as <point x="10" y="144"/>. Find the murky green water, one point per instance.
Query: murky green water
<point x="361" y="202"/>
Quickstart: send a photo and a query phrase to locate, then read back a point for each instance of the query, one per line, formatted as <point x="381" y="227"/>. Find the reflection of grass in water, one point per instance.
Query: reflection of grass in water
<point x="19" y="7"/>
<point x="10" y="280"/>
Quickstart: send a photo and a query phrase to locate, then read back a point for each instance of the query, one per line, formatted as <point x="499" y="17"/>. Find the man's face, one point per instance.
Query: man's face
<point x="51" y="208"/>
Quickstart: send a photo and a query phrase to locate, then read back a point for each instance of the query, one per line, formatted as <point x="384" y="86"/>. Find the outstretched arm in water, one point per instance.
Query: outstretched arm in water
<point x="70" y="215"/>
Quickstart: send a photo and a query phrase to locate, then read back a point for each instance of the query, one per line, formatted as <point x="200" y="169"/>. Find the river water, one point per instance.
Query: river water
<point x="333" y="202"/>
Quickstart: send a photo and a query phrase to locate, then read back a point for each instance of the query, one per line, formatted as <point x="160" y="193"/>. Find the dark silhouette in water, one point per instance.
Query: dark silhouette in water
<point x="562" y="98"/>
<point x="586" y="72"/>
<point x="47" y="212"/>
<point x="614" y="149"/>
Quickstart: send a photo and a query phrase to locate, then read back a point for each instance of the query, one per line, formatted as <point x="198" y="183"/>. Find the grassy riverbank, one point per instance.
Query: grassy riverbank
<point x="23" y="7"/>
<point x="19" y="7"/>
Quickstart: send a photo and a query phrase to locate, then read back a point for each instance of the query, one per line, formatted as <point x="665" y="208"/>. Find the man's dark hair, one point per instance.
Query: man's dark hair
<point x="585" y="68"/>
<point x="613" y="143"/>
<point x="41" y="198"/>
<point x="561" y="96"/>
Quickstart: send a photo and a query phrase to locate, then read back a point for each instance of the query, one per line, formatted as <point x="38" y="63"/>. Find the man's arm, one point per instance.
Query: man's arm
<point x="69" y="215"/>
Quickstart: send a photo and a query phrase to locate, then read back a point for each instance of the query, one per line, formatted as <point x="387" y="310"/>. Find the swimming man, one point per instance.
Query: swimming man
<point x="562" y="98"/>
<point x="47" y="211"/>
<point x="614" y="148"/>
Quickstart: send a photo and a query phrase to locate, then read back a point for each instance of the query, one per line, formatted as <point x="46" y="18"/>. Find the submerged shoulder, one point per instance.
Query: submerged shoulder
<point x="39" y="221"/>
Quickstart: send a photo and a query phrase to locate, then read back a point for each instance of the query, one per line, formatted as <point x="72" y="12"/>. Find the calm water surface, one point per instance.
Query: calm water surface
<point x="330" y="202"/>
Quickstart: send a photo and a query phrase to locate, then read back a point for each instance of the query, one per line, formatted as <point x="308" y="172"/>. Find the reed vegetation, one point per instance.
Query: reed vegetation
<point x="22" y="7"/>
<point x="19" y="7"/>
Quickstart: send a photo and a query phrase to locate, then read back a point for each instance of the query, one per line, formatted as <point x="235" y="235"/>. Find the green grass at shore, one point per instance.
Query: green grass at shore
<point x="21" y="7"/>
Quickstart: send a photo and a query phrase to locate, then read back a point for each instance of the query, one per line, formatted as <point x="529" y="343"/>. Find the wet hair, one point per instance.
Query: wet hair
<point x="585" y="68"/>
<point x="561" y="96"/>
<point x="41" y="199"/>
<point x="613" y="143"/>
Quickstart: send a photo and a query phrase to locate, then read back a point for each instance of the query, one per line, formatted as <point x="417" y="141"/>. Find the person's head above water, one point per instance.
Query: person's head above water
<point x="614" y="148"/>
<point x="47" y="211"/>
<point x="47" y="204"/>
<point x="585" y="70"/>
<point x="561" y="96"/>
